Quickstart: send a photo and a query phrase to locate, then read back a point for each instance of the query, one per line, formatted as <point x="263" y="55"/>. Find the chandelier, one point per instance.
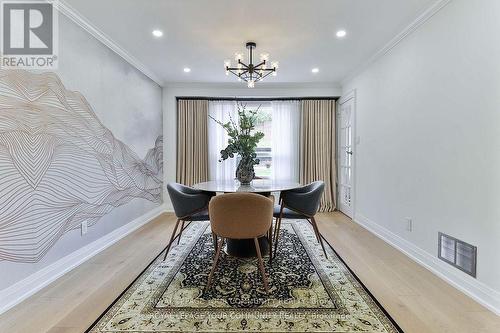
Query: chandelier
<point x="251" y="73"/>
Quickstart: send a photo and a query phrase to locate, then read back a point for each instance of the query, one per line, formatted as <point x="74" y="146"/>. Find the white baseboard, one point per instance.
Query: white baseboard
<point x="21" y="290"/>
<point x="477" y="290"/>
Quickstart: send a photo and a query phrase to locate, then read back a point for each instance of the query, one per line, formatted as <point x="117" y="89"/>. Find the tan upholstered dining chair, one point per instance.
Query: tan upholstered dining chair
<point x="241" y="216"/>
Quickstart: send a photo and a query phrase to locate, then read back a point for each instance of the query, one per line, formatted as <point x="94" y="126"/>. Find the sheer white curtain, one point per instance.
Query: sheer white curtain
<point x="217" y="140"/>
<point x="286" y="140"/>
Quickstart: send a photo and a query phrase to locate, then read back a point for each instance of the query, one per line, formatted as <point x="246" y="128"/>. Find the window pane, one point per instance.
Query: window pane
<point x="264" y="168"/>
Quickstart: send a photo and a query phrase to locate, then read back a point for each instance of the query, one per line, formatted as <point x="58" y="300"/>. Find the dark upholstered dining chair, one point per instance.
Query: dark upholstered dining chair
<point x="190" y="205"/>
<point x="241" y="216"/>
<point x="299" y="203"/>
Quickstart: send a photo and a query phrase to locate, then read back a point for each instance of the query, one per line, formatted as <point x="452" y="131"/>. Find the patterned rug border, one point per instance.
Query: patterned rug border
<point x="358" y="280"/>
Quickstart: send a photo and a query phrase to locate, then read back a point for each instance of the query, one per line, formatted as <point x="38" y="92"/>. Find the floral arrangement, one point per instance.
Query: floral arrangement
<point x="243" y="141"/>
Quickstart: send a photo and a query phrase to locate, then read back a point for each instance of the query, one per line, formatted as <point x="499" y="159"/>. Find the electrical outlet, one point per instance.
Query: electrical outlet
<point x="85" y="227"/>
<point x="409" y="224"/>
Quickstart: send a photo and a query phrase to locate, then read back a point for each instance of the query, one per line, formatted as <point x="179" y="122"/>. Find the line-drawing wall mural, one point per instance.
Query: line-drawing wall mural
<point x="60" y="166"/>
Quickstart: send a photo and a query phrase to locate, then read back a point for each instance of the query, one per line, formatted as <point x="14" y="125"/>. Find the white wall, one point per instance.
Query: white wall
<point x="170" y="93"/>
<point x="428" y="118"/>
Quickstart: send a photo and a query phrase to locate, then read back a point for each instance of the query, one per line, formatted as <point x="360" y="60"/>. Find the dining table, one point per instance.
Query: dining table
<point x="245" y="248"/>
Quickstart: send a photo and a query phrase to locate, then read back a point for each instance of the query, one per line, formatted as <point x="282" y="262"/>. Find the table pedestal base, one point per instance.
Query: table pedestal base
<point x="245" y="248"/>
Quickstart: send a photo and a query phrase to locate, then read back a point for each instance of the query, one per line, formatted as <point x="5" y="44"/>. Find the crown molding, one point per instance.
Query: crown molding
<point x="85" y="24"/>
<point x="412" y="27"/>
<point x="261" y="86"/>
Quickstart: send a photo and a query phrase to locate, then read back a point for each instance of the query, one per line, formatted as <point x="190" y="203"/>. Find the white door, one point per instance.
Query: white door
<point x="345" y="154"/>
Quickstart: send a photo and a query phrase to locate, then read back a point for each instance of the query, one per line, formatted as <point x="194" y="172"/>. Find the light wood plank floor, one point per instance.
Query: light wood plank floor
<point x="418" y="300"/>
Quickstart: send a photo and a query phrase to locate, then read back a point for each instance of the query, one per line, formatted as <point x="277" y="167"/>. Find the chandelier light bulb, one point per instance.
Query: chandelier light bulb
<point x="341" y="33"/>
<point x="251" y="84"/>
<point x="238" y="56"/>
<point x="157" y="33"/>
<point x="275" y="64"/>
<point x="227" y="72"/>
<point x="274" y="73"/>
<point x="264" y="57"/>
<point x="227" y="63"/>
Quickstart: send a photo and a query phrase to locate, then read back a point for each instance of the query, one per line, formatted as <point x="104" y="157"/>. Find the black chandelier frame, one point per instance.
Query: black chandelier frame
<point x="251" y="72"/>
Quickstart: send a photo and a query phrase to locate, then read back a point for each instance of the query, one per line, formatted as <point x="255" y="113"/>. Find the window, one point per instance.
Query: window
<point x="264" y="148"/>
<point x="277" y="151"/>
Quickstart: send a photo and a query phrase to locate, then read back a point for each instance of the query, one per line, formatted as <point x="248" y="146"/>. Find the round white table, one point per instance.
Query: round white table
<point x="257" y="186"/>
<point x="245" y="247"/>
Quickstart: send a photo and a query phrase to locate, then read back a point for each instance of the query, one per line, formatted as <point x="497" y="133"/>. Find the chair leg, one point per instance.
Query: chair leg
<point x="214" y="238"/>
<point x="270" y="238"/>
<point x="278" y="227"/>
<point x="171" y="239"/>
<point x="214" y="265"/>
<point x="315" y="226"/>
<point x="276" y="235"/>
<point x="275" y="228"/>
<point x="261" y="265"/>
<point x="316" y="232"/>
<point x="180" y="232"/>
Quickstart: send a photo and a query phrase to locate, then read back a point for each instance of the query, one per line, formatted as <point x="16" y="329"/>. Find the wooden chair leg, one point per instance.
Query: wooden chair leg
<point x="214" y="265"/>
<point x="270" y="238"/>
<point x="214" y="238"/>
<point x="278" y="227"/>
<point x="276" y="234"/>
<point x="180" y="232"/>
<point x="261" y="265"/>
<point x="275" y="228"/>
<point x="316" y="232"/>
<point x="171" y="239"/>
<point x="315" y="226"/>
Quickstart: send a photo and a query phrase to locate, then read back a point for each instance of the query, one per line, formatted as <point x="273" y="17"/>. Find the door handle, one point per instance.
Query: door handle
<point x="349" y="152"/>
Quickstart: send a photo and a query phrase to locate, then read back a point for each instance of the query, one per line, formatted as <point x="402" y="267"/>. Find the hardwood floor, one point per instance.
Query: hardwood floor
<point x="418" y="300"/>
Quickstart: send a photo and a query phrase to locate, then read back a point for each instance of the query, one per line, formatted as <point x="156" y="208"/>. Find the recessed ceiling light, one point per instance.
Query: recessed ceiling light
<point x="187" y="69"/>
<point x="315" y="70"/>
<point x="157" y="33"/>
<point x="341" y="33"/>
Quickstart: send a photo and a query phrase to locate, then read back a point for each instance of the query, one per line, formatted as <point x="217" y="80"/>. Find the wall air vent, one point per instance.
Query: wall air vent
<point x="457" y="253"/>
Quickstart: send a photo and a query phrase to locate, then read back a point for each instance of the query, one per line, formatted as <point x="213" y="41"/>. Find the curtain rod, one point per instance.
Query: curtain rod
<point x="250" y="99"/>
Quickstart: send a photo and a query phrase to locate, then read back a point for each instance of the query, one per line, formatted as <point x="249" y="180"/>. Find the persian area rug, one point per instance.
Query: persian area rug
<point x="308" y="292"/>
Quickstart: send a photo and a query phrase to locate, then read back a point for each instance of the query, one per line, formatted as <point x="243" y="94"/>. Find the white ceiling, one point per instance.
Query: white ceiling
<point x="300" y="34"/>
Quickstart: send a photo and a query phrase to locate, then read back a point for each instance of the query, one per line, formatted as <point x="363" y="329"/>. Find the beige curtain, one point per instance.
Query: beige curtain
<point x="192" y="141"/>
<point x="317" y="151"/>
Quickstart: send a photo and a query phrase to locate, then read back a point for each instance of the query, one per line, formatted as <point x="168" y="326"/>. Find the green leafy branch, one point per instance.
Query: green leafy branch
<point x="242" y="138"/>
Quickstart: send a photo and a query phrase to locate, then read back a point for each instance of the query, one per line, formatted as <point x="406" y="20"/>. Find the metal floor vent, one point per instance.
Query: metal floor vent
<point x="457" y="253"/>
